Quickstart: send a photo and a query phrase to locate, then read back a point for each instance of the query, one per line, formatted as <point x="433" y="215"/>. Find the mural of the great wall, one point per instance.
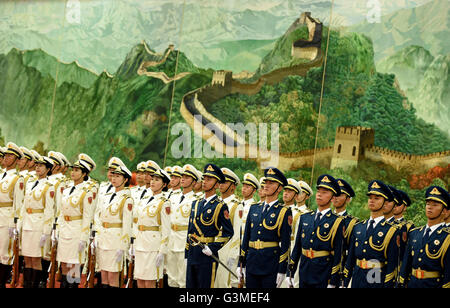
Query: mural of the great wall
<point x="350" y="98"/>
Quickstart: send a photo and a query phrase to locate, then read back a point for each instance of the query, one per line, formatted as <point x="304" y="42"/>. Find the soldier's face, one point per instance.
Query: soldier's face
<point x="323" y="196"/>
<point x="339" y="201"/>
<point x="225" y="187"/>
<point x="288" y="195"/>
<point x="209" y="183"/>
<point x="175" y="181"/>
<point x="186" y="181"/>
<point x="117" y="180"/>
<point x="147" y="178"/>
<point x="9" y="160"/>
<point x="271" y="188"/>
<point x="261" y="193"/>
<point x="375" y="202"/>
<point x="301" y="197"/>
<point x="109" y="174"/>
<point x="198" y="186"/>
<point x="399" y="209"/>
<point x="157" y="184"/>
<point x="76" y="174"/>
<point x="434" y="209"/>
<point x="247" y="191"/>
<point x="388" y="207"/>
<point x="21" y="163"/>
<point x="41" y="170"/>
<point x="140" y="177"/>
<point x="30" y="165"/>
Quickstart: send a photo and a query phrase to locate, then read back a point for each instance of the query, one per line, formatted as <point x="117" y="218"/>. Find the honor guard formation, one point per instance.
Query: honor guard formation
<point x="180" y="227"/>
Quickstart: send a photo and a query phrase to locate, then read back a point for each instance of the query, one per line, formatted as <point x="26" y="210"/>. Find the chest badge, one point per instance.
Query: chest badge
<point x="326" y="225"/>
<point x="208" y="211"/>
<point x="436" y="242"/>
<point x="272" y="215"/>
<point x="380" y="234"/>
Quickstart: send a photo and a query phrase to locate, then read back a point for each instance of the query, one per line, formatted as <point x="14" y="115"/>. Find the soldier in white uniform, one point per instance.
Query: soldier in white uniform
<point x="250" y="185"/>
<point x="73" y="226"/>
<point x="137" y="190"/>
<point x="261" y="194"/>
<point x="230" y="251"/>
<point x="36" y="220"/>
<point x="198" y="191"/>
<point x="113" y="225"/>
<point x="153" y="227"/>
<point x="298" y="209"/>
<point x="11" y="198"/>
<point x="175" y="184"/>
<point x="179" y="220"/>
<point x="25" y="164"/>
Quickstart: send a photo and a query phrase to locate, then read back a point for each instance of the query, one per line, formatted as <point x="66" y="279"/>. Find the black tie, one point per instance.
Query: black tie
<point x="112" y="197"/>
<point x="4" y="174"/>
<point x="143" y="193"/>
<point x="426" y="237"/>
<point x="181" y="200"/>
<point x="71" y="190"/>
<point x="265" y="207"/>
<point x="109" y="187"/>
<point x="35" y="184"/>
<point x="370" y="228"/>
<point x="316" y="222"/>
<point x="150" y="200"/>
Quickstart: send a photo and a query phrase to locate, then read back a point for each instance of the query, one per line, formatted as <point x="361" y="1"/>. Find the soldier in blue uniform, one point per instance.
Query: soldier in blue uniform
<point x="426" y="263"/>
<point x="340" y="204"/>
<point x="209" y="224"/>
<point x="266" y="240"/>
<point x="319" y="240"/>
<point x="373" y="255"/>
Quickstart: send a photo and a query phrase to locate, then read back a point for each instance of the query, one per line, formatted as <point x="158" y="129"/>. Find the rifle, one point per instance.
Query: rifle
<point x="130" y="272"/>
<point x="195" y="242"/>
<point x="241" y="283"/>
<point x="15" y="267"/>
<point x="53" y="263"/>
<point x="91" y="262"/>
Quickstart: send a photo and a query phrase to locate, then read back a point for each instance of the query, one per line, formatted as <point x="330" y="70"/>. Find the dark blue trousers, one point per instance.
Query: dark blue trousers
<point x="261" y="281"/>
<point x="201" y="276"/>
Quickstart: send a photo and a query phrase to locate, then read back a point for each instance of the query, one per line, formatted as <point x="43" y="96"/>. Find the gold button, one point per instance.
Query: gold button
<point x="311" y="241"/>
<point x="364" y="250"/>
<point x="421" y="251"/>
<point x="259" y="232"/>
<point x="365" y="242"/>
<point x="420" y="259"/>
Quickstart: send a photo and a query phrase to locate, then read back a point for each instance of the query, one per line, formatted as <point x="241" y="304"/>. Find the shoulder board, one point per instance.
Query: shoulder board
<point x="416" y="228"/>
<point x="48" y="183"/>
<point x="254" y="203"/>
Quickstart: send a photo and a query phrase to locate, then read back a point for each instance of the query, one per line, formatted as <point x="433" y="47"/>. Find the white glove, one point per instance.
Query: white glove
<point x="54" y="237"/>
<point x="330" y="286"/>
<point x="185" y="263"/>
<point x="11" y="232"/>
<point x="230" y="262"/>
<point x="280" y="279"/>
<point x="81" y="246"/>
<point x="289" y="282"/>
<point x="239" y="273"/>
<point x="131" y="251"/>
<point x="159" y="259"/>
<point x="207" y="251"/>
<point x="119" y="256"/>
<point x="43" y="240"/>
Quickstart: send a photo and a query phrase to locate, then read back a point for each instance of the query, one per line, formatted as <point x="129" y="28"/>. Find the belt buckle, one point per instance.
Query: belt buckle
<point x="29" y="210"/>
<point x="141" y="228"/>
<point x="67" y="218"/>
<point x="258" y="244"/>
<point x="310" y="253"/>
<point x="175" y="228"/>
<point x="420" y="274"/>
<point x="364" y="264"/>
<point x="105" y="225"/>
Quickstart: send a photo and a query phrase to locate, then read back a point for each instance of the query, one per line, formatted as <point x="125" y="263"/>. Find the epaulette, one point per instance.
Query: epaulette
<point x="416" y="228"/>
<point x="254" y="203"/>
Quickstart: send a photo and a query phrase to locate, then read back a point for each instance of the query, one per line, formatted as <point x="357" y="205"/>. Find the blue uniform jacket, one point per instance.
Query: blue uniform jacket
<point x="327" y="236"/>
<point x="210" y="220"/>
<point x="381" y="248"/>
<point x="274" y="225"/>
<point x="430" y="256"/>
